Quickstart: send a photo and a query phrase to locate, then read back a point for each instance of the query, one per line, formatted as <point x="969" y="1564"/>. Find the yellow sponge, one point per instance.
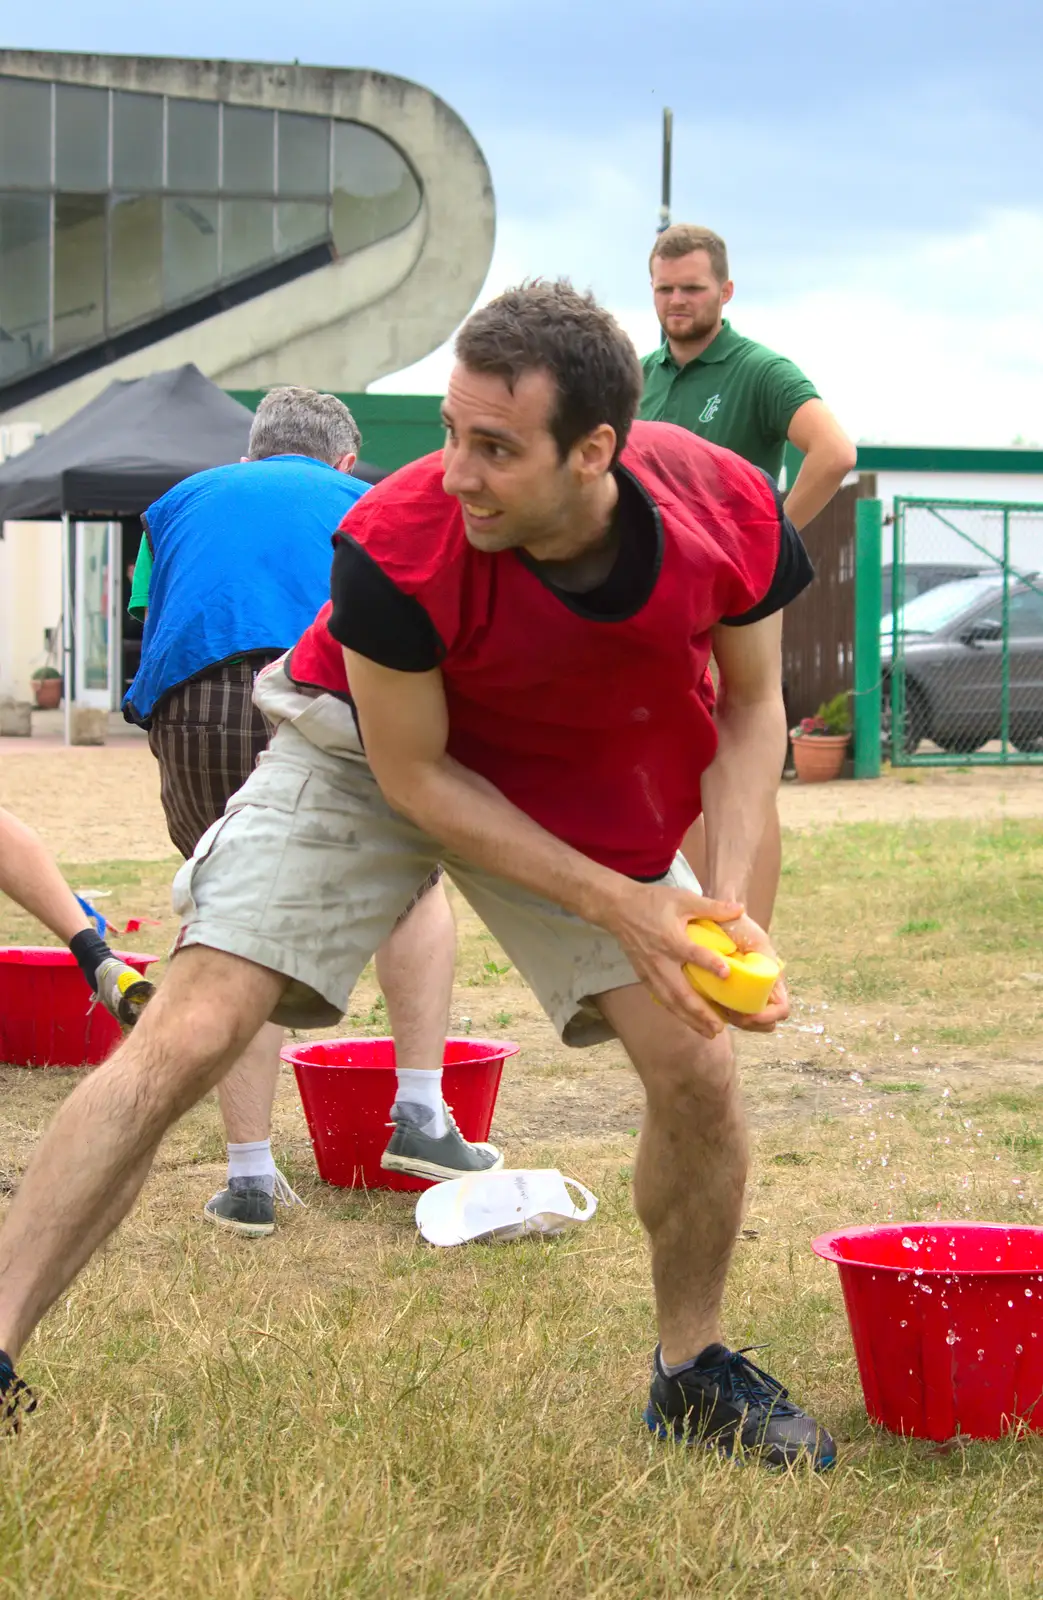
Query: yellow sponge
<point x="751" y="976"/>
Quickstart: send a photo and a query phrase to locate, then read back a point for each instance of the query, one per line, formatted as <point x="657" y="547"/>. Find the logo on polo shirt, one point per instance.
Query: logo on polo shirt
<point x="710" y="409"/>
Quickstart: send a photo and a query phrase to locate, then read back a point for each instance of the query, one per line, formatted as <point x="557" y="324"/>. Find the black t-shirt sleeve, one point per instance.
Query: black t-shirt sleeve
<point x="793" y="572"/>
<point x="375" y="619"/>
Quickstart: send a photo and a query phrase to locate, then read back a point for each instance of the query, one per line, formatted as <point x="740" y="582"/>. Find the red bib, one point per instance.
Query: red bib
<point x="599" y="730"/>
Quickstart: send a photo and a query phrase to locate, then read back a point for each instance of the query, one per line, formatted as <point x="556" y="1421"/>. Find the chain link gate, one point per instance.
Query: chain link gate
<point x="962" y="636"/>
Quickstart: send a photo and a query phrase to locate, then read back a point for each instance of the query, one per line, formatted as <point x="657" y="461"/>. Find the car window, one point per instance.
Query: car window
<point x="1026" y="615"/>
<point x="932" y="611"/>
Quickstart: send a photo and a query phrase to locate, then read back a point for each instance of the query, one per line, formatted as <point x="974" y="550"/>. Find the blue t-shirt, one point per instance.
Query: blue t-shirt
<point x="241" y="563"/>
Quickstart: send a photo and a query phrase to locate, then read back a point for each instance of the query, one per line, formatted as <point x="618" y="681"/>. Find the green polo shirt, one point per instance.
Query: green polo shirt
<point x="738" y="394"/>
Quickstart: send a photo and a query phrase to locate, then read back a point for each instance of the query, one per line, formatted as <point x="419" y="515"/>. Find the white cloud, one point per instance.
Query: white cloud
<point x="941" y="343"/>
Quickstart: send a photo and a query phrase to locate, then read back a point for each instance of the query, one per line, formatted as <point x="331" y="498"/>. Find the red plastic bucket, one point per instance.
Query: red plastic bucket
<point x="347" y="1086"/>
<point x="45" y="1020"/>
<point x="947" y="1324"/>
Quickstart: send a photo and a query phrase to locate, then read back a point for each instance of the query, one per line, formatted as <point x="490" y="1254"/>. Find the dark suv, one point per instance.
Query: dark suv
<point x="953" y="655"/>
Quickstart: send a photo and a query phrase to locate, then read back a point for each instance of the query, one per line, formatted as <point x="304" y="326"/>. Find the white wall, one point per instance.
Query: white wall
<point x="30" y="583"/>
<point x="927" y="538"/>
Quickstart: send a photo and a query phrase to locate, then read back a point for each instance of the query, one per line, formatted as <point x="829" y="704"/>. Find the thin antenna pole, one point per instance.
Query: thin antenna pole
<point x="668" y="143"/>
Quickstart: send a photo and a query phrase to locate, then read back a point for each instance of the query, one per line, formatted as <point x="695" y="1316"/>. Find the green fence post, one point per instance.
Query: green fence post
<point x="868" y="606"/>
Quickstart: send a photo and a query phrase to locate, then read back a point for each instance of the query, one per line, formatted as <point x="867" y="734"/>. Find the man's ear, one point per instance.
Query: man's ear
<point x="592" y="455"/>
<point x="727" y="290"/>
<point x="346" y="462"/>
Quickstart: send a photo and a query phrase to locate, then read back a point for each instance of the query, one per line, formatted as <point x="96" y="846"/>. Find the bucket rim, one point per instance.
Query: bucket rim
<point x="60" y="955"/>
<point x="293" y="1054"/>
<point x="824" y="1247"/>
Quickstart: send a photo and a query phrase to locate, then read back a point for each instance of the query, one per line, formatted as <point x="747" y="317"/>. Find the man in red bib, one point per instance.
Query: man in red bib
<point x="510" y="677"/>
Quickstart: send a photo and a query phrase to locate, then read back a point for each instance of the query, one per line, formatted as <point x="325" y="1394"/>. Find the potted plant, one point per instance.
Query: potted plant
<point x="47" y="687"/>
<point x="820" y="742"/>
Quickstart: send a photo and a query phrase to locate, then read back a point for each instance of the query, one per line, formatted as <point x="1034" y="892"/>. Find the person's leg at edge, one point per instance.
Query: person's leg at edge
<point x="767" y="865"/>
<point x="93" y="1159"/>
<point x="415" y="967"/>
<point x="30" y="877"/>
<point x="690" y="1171"/>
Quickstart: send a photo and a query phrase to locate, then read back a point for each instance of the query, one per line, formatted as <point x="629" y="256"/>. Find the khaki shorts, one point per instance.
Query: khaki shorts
<point x="309" y="869"/>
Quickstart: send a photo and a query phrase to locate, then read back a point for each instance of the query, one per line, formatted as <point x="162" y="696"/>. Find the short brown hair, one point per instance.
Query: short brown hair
<point x="683" y="238"/>
<point x="553" y="328"/>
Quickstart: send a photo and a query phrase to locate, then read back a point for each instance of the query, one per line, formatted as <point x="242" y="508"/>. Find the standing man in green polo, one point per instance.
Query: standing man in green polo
<point x="737" y="393"/>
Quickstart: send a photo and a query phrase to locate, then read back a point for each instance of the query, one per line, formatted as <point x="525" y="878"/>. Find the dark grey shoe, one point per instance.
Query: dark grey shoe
<point x="726" y="1403"/>
<point x="421" y="1155"/>
<point x="244" y="1207"/>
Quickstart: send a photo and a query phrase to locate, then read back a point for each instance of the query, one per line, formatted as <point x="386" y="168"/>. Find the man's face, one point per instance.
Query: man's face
<point x="501" y="461"/>
<point x="688" y="298"/>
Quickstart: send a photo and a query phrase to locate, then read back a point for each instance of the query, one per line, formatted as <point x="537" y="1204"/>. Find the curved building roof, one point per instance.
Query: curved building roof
<point x="270" y="223"/>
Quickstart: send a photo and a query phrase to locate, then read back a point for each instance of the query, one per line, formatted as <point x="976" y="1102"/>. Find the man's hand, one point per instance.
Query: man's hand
<point x="749" y="935"/>
<point x="650" y="920"/>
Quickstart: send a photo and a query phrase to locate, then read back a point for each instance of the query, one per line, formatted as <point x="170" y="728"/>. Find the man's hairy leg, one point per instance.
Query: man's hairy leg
<point x="690" y="1170"/>
<point x="93" y="1159"/>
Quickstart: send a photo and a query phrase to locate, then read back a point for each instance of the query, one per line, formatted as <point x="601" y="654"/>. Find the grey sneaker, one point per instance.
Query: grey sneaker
<point x="421" y="1155"/>
<point x="123" y="992"/>
<point x="246" y="1207"/>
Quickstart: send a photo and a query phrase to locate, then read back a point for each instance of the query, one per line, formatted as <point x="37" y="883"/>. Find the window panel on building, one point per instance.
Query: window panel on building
<point x="249" y="150"/>
<point x="135" y="258"/>
<point x="375" y="192"/>
<point x="300" y="223"/>
<point x="304" y="155"/>
<point x="247" y="236"/>
<point x="192" y="146"/>
<point x="79" y="270"/>
<point x="137" y="141"/>
<point x="25" y="133"/>
<point x="25" y="272"/>
<point x="81" y="138"/>
<point x="189" y="248"/>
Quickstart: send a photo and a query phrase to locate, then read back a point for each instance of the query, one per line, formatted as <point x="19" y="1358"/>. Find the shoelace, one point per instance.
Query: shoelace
<point x="744" y="1383"/>
<point x="450" y="1120"/>
<point x="16" y="1400"/>
<point x="284" y="1193"/>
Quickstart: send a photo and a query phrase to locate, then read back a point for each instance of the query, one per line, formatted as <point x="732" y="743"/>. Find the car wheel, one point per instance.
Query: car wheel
<point x="960" y="744"/>
<point x="1028" y="738"/>
<point x="917" y="719"/>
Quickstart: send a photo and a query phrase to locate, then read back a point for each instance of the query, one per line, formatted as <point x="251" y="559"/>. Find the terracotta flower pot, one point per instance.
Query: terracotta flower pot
<point x="819" y="757"/>
<point x="48" y="692"/>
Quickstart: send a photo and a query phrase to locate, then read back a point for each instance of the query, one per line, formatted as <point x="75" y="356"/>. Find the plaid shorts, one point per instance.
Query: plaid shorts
<point x="207" y="736"/>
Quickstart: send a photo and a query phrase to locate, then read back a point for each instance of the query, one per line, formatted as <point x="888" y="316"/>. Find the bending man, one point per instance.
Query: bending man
<point x="508" y="679"/>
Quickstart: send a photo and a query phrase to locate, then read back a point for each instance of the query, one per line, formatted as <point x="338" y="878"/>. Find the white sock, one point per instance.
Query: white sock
<point x="419" y="1097"/>
<point x="253" y="1161"/>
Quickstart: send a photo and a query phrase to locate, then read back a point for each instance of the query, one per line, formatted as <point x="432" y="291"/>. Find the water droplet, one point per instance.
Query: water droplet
<point x="926" y="1288"/>
<point x="950" y="1337"/>
<point x="1028" y="1294"/>
<point x="981" y="1355"/>
<point x="907" y="1243"/>
<point x="903" y="1323"/>
<point x="1011" y="1304"/>
<point x="1018" y="1348"/>
<point x="919" y="1272"/>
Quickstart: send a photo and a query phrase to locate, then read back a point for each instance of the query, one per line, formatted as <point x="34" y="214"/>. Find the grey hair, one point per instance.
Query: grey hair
<point x="302" y="422"/>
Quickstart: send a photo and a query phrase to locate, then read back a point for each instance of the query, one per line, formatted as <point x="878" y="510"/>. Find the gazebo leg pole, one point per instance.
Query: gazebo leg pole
<point x="67" y="623"/>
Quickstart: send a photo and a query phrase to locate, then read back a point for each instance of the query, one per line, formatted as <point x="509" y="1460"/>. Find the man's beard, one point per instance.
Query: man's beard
<point x="695" y="328"/>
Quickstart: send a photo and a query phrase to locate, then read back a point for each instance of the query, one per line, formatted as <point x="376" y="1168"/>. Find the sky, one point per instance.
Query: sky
<point x="874" y="167"/>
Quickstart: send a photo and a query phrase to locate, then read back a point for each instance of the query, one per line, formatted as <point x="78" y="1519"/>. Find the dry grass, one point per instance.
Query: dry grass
<point x="343" y="1412"/>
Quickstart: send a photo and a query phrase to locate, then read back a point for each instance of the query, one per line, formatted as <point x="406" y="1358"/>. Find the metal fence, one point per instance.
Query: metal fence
<point x="962" y="645"/>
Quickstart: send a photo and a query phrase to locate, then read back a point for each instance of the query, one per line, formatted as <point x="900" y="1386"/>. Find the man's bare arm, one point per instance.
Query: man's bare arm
<point x="829" y="456"/>
<point x="405" y="729"/>
<point x="740" y="786"/>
